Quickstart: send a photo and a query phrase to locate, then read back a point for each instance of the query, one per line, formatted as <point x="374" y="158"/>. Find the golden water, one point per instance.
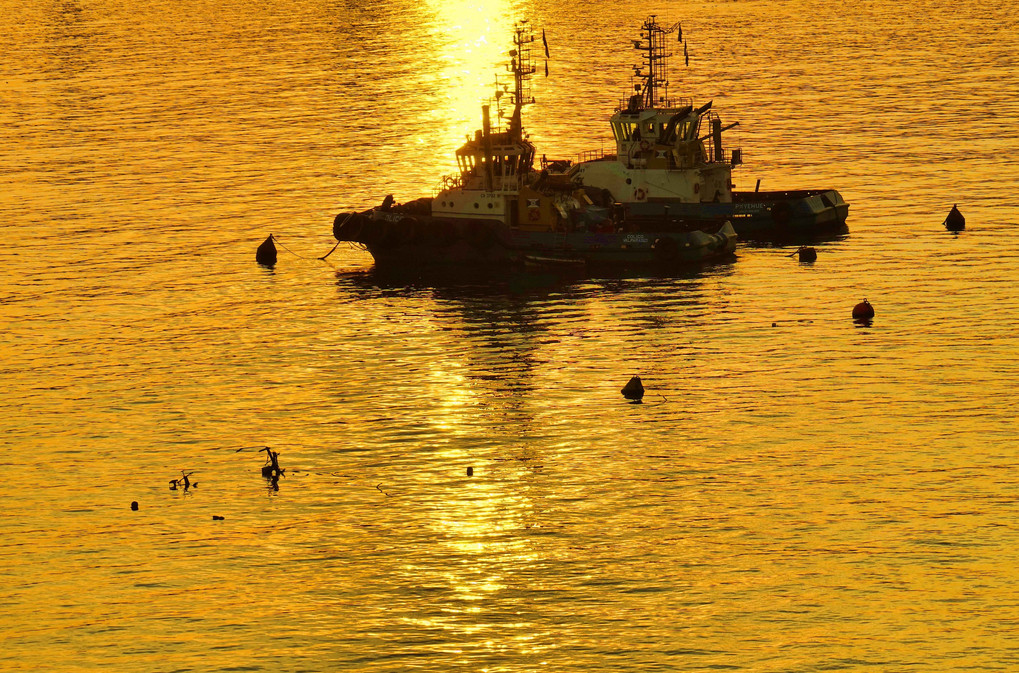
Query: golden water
<point x="797" y="493"/>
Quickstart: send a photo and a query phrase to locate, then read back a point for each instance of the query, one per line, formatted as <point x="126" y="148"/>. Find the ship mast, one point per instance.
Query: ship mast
<point x="522" y="68"/>
<point x="655" y="68"/>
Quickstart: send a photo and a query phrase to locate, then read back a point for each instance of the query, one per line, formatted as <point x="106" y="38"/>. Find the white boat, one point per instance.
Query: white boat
<point x="672" y="159"/>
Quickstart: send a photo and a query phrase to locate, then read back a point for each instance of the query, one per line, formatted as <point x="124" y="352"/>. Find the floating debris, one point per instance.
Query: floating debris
<point x="807" y="254"/>
<point x="134" y="505"/>
<point x="634" y="389"/>
<point x="184" y="481"/>
<point x="266" y="253"/>
<point x="470" y="471"/>
<point x="216" y="517"/>
<point x="863" y="312"/>
<point x="272" y="463"/>
<point x="272" y="470"/>
<point x="955" y="220"/>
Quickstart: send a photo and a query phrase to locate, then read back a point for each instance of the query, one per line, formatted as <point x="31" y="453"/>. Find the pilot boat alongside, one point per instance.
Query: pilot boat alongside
<point x="501" y="210"/>
<point x="671" y="160"/>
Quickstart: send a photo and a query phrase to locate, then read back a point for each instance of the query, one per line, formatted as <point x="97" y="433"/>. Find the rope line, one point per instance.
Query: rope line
<point x="276" y="240"/>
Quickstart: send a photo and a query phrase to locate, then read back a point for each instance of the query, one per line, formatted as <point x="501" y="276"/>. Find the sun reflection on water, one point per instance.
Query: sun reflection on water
<point x="471" y="48"/>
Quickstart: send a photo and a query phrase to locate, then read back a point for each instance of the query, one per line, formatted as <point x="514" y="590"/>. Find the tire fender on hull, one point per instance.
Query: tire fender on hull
<point x="479" y="236"/>
<point x="666" y="249"/>
<point x="342" y="226"/>
<point x="781" y="213"/>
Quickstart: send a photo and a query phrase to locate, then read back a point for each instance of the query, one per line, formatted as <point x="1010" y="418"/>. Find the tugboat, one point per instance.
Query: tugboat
<point x="670" y="160"/>
<point x="501" y="210"/>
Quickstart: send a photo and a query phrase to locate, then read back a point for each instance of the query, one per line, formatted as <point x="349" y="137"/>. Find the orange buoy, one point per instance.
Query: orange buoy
<point x="863" y="311"/>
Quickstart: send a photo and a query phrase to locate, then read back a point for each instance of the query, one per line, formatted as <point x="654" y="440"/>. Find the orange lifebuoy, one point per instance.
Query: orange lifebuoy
<point x="640" y="194"/>
<point x="533" y="214"/>
<point x="645" y="145"/>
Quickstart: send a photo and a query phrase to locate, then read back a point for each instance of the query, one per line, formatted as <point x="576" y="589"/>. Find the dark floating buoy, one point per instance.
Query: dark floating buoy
<point x="216" y="517"/>
<point x="807" y="254"/>
<point x="634" y="389"/>
<point x="863" y="312"/>
<point x="470" y="471"/>
<point x="134" y="505"/>
<point x="955" y="221"/>
<point x="266" y="253"/>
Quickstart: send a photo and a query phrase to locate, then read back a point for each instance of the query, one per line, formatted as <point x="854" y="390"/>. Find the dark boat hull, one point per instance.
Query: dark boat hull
<point x="401" y="239"/>
<point x="754" y="214"/>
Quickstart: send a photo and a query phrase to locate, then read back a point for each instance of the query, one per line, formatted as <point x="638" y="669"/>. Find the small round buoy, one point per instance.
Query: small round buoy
<point x="807" y="254"/>
<point x="955" y="221"/>
<point x="134" y="505"/>
<point x="634" y="389"/>
<point x="470" y="471"/>
<point x="216" y="517"/>
<point x="863" y="311"/>
<point x="266" y="253"/>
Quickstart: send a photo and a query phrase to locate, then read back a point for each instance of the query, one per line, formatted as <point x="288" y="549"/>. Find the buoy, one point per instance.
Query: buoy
<point x="634" y="389"/>
<point x="216" y="517"/>
<point x="173" y="484"/>
<point x="863" y="311"/>
<point x="955" y="221"/>
<point x="470" y="471"/>
<point x="807" y="254"/>
<point x="266" y="253"/>
<point x="134" y="505"/>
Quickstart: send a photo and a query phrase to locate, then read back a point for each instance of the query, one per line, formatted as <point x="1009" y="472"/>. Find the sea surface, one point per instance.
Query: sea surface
<point x="796" y="493"/>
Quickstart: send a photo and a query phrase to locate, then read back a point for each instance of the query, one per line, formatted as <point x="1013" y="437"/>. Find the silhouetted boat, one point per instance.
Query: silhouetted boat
<point x="500" y="210"/>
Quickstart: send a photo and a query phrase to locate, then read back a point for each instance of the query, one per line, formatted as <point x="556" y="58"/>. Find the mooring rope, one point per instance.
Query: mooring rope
<point x="276" y="240"/>
<point x="337" y="242"/>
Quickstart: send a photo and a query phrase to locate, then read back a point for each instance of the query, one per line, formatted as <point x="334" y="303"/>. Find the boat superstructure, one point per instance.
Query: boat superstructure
<point x="666" y="149"/>
<point x="674" y="159"/>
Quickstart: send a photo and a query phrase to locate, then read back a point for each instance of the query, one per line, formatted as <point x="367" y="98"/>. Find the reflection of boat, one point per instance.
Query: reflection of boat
<point x="670" y="160"/>
<point x="499" y="210"/>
